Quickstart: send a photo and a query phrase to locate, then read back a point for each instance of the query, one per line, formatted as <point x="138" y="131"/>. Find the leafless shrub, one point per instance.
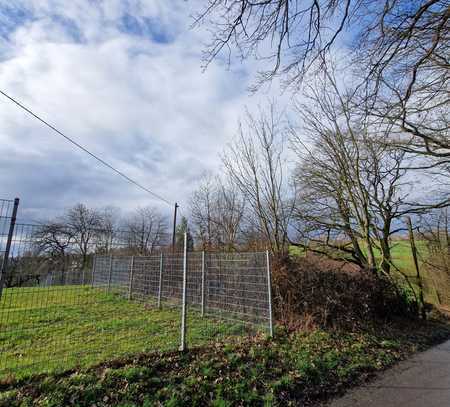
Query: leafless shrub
<point x="310" y="292"/>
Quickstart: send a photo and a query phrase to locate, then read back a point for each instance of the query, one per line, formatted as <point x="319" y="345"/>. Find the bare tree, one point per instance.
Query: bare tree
<point x="108" y="231"/>
<point x="254" y="164"/>
<point x="400" y="49"/>
<point x="54" y="238"/>
<point x="53" y="242"/>
<point x="145" y="229"/>
<point x="352" y="185"/>
<point x="85" y="224"/>
<point x="229" y="216"/>
<point x="203" y="210"/>
<point x="434" y="230"/>
<point x="288" y="33"/>
<point x="217" y="214"/>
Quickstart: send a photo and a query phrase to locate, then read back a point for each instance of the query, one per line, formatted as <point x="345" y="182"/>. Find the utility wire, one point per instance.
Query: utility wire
<point x="85" y="149"/>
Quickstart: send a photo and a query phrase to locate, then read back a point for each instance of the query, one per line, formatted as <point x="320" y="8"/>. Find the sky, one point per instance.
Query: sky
<point x="124" y="79"/>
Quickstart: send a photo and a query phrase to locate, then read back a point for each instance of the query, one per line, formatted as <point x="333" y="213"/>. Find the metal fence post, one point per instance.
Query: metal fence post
<point x="269" y="292"/>
<point x="130" y="285"/>
<point x="110" y="272"/>
<point x="94" y="257"/>
<point x="203" y="284"/>
<point x="183" y="304"/>
<point x="161" y="260"/>
<point x="8" y="245"/>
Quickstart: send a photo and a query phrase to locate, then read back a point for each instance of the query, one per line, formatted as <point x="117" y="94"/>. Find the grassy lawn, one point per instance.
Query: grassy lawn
<point x="292" y="369"/>
<point x="53" y="329"/>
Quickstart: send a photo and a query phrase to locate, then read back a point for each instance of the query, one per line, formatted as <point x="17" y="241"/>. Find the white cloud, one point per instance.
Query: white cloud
<point x="141" y="102"/>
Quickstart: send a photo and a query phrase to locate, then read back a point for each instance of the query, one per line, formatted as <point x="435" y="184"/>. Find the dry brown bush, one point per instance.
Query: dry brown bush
<point x="312" y="292"/>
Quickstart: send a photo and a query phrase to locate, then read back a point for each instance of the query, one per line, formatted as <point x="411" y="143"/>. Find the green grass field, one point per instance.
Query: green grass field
<point x="400" y="251"/>
<point x="402" y="260"/>
<point x="58" y="328"/>
<point x="402" y="255"/>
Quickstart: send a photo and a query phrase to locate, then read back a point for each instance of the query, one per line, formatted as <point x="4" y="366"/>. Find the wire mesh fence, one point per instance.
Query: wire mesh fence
<point x="224" y="287"/>
<point x="6" y="208"/>
<point x="65" y="305"/>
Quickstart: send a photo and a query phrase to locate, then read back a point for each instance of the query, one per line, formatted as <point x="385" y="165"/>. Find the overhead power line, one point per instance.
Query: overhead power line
<point x="85" y="149"/>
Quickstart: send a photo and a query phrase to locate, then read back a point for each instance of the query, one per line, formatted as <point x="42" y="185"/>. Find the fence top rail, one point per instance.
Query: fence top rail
<point x="170" y="253"/>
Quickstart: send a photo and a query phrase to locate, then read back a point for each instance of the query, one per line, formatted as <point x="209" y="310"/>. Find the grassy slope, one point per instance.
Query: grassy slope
<point x="295" y="369"/>
<point x="57" y="328"/>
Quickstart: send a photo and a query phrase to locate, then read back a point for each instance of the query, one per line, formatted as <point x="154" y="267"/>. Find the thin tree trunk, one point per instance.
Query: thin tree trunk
<point x="416" y="266"/>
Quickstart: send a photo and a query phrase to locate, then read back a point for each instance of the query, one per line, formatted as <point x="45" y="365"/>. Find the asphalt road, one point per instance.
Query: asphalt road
<point x="422" y="381"/>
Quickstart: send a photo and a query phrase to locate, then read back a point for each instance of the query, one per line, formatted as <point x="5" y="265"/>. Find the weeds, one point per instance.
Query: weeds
<point x="293" y="369"/>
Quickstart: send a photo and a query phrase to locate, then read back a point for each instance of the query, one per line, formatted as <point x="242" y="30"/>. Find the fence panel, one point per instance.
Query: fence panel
<point x="62" y="308"/>
<point x="6" y="209"/>
<point x="227" y="297"/>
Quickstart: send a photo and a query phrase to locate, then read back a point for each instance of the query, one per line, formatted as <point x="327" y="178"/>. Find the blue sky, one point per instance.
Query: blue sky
<point x="123" y="78"/>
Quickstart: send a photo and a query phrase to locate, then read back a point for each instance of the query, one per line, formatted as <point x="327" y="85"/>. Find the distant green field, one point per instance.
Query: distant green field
<point x="400" y="251"/>
<point x="402" y="255"/>
<point x="402" y="259"/>
<point x="58" y="328"/>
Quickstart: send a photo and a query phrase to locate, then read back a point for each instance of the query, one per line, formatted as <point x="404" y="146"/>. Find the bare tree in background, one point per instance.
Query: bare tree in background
<point x="54" y="238"/>
<point x="217" y="214"/>
<point x="203" y="207"/>
<point x="400" y="49"/>
<point x="146" y="229"/>
<point x="254" y="164"/>
<point x="230" y="214"/>
<point x="53" y="242"/>
<point x="85" y="224"/>
<point x="110" y="220"/>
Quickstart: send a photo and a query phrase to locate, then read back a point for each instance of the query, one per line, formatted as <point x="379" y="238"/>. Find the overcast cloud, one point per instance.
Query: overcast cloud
<point x="124" y="79"/>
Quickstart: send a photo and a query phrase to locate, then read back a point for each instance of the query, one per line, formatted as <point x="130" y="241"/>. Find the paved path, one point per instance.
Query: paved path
<point x="423" y="380"/>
